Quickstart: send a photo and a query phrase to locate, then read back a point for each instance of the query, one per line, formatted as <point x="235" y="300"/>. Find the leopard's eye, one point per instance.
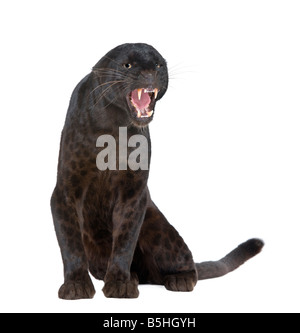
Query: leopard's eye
<point x="127" y="66"/>
<point x="158" y="65"/>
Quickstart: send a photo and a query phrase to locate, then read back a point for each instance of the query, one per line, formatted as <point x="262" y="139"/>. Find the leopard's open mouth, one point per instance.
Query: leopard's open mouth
<point x="141" y="102"/>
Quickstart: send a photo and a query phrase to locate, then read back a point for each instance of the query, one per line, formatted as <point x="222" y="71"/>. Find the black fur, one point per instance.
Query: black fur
<point x="105" y="221"/>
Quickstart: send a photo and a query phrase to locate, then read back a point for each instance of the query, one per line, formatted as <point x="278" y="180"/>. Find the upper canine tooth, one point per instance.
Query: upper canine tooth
<point x="155" y="92"/>
<point x="139" y="93"/>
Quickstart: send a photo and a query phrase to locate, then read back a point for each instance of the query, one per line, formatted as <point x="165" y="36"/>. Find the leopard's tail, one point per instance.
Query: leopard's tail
<point x="245" y="251"/>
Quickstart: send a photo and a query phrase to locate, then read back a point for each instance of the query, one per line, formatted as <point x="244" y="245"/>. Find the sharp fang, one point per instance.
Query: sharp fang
<point x="138" y="113"/>
<point x="149" y="113"/>
<point x="139" y="93"/>
<point x="155" y="93"/>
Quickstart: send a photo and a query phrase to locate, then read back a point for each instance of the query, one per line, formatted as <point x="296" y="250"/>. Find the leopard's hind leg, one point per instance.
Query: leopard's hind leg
<point x="161" y="256"/>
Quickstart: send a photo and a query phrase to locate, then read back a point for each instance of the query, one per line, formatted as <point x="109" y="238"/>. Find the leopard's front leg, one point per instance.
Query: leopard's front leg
<point x="128" y="216"/>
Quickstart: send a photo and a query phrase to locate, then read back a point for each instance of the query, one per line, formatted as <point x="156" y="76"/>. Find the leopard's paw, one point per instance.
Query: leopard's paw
<point x="77" y="289"/>
<point x="181" y="281"/>
<point x="121" y="289"/>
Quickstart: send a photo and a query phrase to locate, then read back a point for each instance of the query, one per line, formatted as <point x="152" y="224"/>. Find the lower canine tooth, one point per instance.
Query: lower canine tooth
<point x="149" y="113"/>
<point x="139" y="114"/>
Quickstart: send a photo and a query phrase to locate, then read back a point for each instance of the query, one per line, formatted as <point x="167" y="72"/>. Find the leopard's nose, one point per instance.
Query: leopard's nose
<point x="148" y="76"/>
<point x="149" y="79"/>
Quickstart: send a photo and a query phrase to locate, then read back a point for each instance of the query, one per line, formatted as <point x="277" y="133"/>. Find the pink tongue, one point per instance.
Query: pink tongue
<point x="143" y="102"/>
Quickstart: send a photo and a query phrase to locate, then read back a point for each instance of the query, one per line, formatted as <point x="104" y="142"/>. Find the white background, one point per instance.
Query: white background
<point x="225" y="164"/>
